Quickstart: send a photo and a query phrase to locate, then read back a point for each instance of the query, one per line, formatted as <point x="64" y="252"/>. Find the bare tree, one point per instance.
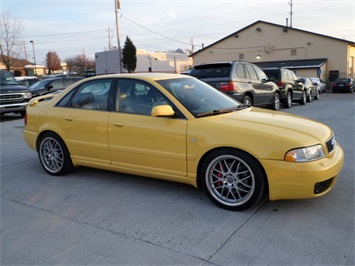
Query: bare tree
<point x="10" y="45"/>
<point x="80" y="63"/>
<point x="53" y="61"/>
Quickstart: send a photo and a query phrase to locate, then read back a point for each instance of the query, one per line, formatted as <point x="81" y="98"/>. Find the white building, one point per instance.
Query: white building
<point x="108" y="62"/>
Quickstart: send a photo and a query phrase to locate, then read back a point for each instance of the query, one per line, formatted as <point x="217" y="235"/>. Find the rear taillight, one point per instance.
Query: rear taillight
<point x="334" y="84"/>
<point x="227" y="86"/>
<point x="280" y="84"/>
<point x="348" y="85"/>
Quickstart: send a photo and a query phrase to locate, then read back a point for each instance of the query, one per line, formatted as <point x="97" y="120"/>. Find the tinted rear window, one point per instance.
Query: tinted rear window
<point x="343" y="80"/>
<point x="272" y="73"/>
<point x="211" y="71"/>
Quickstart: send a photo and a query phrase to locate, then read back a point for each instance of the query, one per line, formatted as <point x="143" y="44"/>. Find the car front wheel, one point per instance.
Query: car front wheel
<point x="276" y="102"/>
<point x="304" y="98"/>
<point x="317" y="95"/>
<point x="54" y="155"/>
<point x="233" y="179"/>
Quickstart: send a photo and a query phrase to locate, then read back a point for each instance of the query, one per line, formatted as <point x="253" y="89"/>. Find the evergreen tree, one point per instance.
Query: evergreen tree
<point x="129" y="54"/>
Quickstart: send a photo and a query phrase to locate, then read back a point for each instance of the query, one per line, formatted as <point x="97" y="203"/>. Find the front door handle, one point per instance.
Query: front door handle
<point x="118" y="124"/>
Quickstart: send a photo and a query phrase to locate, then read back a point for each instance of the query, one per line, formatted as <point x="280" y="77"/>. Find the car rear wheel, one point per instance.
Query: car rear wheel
<point x="54" y="155"/>
<point x="288" y="101"/>
<point x="276" y="102"/>
<point x="233" y="179"/>
<point x="247" y="101"/>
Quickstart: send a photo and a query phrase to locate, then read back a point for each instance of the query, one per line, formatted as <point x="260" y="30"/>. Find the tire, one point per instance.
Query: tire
<point x="247" y="101"/>
<point x="287" y="103"/>
<point x="317" y="95"/>
<point x="303" y="99"/>
<point x="233" y="179"/>
<point x="309" y="97"/>
<point x="276" y="102"/>
<point x="54" y="155"/>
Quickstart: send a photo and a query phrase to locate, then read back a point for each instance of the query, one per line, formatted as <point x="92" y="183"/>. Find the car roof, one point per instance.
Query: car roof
<point x="144" y="76"/>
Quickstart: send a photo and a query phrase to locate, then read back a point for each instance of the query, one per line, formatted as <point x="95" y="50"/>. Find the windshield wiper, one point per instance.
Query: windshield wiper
<point x="223" y="111"/>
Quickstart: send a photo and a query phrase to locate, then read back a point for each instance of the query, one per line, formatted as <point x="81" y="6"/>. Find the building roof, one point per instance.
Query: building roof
<point x="276" y="25"/>
<point x="293" y="64"/>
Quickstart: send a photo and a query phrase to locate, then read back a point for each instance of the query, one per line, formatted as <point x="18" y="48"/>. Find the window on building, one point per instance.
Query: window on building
<point x="241" y="56"/>
<point x="293" y="52"/>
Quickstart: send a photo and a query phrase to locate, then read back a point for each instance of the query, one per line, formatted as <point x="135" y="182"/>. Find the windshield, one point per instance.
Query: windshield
<point x="39" y="85"/>
<point x="199" y="97"/>
<point x="7" y="79"/>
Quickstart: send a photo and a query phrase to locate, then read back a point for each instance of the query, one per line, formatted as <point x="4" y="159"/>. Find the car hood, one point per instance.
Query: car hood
<point x="13" y="88"/>
<point x="265" y="133"/>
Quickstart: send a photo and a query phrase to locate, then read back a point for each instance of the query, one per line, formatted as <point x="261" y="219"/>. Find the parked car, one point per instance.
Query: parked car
<point x="27" y="81"/>
<point x="50" y="85"/>
<point x="13" y="96"/>
<point x="243" y="81"/>
<point x="311" y="89"/>
<point x="320" y="84"/>
<point x="178" y="128"/>
<point x="343" y="85"/>
<point x="292" y="90"/>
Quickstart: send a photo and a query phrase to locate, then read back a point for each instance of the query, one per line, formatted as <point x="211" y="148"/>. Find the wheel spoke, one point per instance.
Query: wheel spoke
<point x="231" y="180"/>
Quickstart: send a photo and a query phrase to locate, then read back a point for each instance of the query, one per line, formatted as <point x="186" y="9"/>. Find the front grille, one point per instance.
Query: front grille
<point x="11" y="97"/>
<point x="322" y="186"/>
<point x="330" y="144"/>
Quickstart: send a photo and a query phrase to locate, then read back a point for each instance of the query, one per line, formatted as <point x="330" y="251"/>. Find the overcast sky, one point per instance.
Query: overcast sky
<point x="71" y="27"/>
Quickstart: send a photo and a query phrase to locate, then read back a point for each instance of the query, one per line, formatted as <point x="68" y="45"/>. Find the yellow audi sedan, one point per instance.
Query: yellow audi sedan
<point x="177" y="128"/>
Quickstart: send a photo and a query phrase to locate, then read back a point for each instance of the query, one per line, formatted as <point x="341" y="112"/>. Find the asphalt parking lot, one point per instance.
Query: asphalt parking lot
<point x="94" y="217"/>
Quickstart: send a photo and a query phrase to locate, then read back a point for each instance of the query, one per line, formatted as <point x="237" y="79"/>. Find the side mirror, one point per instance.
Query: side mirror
<point x="50" y="87"/>
<point x="162" y="111"/>
<point x="264" y="80"/>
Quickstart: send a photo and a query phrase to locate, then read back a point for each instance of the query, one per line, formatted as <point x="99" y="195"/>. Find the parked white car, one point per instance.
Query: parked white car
<point x="320" y="84"/>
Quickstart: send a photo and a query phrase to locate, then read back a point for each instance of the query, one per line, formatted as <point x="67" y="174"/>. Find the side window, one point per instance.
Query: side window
<point x="239" y="70"/>
<point x="260" y="73"/>
<point x="137" y="97"/>
<point x="251" y="72"/>
<point x="69" y="81"/>
<point x="56" y="84"/>
<point x="92" y="95"/>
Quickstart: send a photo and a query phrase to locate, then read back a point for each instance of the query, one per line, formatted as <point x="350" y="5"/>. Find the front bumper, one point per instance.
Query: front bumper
<point x="13" y="107"/>
<point x="289" y="180"/>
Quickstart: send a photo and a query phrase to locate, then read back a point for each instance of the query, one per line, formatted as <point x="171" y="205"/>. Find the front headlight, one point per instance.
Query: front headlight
<point x="306" y="154"/>
<point x="28" y="95"/>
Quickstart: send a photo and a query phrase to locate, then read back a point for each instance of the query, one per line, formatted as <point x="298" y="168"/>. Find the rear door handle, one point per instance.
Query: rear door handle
<point x="68" y="118"/>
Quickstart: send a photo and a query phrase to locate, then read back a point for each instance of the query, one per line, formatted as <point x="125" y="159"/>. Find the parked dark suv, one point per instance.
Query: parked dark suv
<point x="50" y="85"/>
<point x="243" y="81"/>
<point x="13" y="96"/>
<point x="292" y="89"/>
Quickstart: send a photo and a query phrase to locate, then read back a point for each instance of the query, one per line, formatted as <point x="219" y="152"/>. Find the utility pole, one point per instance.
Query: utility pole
<point x="117" y="7"/>
<point x="192" y="45"/>
<point x="34" y="56"/>
<point x="291" y="4"/>
<point x="109" y="39"/>
<point x="25" y="48"/>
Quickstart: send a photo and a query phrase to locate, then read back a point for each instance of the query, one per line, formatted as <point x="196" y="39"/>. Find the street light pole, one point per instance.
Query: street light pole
<point x="34" y="56"/>
<point x="117" y="7"/>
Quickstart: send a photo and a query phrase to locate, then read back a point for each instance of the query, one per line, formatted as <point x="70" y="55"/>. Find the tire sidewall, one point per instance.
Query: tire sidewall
<point x="260" y="185"/>
<point x="67" y="165"/>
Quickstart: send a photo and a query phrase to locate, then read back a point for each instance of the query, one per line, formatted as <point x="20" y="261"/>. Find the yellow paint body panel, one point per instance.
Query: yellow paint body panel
<point x="173" y="149"/>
